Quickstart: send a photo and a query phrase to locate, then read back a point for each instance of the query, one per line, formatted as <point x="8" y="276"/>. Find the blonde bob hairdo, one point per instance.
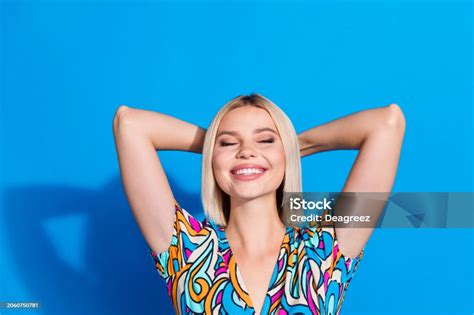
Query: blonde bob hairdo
<point x="216" y="203"/>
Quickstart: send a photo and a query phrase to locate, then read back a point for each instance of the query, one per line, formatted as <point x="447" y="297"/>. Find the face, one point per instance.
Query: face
<point x="248" y="159"/>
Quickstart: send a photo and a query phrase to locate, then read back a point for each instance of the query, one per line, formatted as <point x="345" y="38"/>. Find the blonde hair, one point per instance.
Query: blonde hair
<point x="216" y="203"/>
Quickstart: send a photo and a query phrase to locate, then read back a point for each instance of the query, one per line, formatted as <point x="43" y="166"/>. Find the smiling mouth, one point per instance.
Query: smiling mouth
<point x="248" y="173"/>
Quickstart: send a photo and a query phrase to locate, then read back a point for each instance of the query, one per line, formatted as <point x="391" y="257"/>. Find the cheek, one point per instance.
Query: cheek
<point x="218" y="162"/>
<point x="279" y="160"/>
<point x="282" y="166"/>
<point x="219" y="166"/>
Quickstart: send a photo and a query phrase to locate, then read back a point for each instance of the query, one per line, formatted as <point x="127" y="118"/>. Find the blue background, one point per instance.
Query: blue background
<point x="67" y="237"/>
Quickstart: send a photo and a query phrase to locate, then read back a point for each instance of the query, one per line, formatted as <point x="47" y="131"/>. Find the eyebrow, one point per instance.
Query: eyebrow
<point x="235" y="133"/>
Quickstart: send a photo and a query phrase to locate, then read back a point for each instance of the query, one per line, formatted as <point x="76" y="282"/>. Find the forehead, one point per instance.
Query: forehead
<point x="245" y="118"/>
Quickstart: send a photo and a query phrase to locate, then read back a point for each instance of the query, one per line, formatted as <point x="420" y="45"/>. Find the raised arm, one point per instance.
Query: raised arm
<point x="378" y="135"/>
<point x="138" y="135"/>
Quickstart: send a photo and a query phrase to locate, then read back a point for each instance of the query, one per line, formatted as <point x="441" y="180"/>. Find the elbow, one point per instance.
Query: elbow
<point x="121" y="117"/>
<point x="394" y="118"/>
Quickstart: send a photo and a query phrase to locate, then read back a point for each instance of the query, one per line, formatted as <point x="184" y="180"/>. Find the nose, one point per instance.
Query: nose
<point x="246" y="151"/>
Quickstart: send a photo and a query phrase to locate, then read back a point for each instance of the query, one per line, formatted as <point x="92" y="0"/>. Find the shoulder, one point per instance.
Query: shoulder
<point x="351" y="241"/>
<point x="324" y="242"/>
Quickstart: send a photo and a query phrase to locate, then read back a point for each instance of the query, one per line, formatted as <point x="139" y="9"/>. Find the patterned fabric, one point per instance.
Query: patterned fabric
<point x="310" y="277"/>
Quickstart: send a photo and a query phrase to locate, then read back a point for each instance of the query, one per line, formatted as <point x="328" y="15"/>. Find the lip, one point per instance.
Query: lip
<point x="247" y="177"/>
<point x="241" y="166"/>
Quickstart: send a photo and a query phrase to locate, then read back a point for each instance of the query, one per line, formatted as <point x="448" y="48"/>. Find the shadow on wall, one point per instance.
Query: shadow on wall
<point x="112" y="273"/>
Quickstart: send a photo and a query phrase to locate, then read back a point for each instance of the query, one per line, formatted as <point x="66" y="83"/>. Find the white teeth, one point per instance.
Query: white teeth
<point x="248" y="171"/>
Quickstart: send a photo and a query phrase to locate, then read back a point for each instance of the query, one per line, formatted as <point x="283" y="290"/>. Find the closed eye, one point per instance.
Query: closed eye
<point x="226" y="144"/>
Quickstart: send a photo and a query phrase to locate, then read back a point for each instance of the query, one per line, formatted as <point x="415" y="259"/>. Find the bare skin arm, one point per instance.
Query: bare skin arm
<point x="378" y="135"/>
<point x="138" y="135"/>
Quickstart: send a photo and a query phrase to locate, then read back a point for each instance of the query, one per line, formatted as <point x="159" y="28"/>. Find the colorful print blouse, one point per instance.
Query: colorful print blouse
<point x="310" y="277"/>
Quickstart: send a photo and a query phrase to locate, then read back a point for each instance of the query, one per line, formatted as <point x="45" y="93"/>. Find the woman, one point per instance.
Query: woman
<point x="242" y="259"/>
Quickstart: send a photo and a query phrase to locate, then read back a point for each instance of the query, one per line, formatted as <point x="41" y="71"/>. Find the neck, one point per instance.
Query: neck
<point x="254" y="224"/>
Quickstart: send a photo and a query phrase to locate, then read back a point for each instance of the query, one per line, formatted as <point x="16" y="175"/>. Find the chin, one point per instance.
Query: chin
<point x="250" y="194"/>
